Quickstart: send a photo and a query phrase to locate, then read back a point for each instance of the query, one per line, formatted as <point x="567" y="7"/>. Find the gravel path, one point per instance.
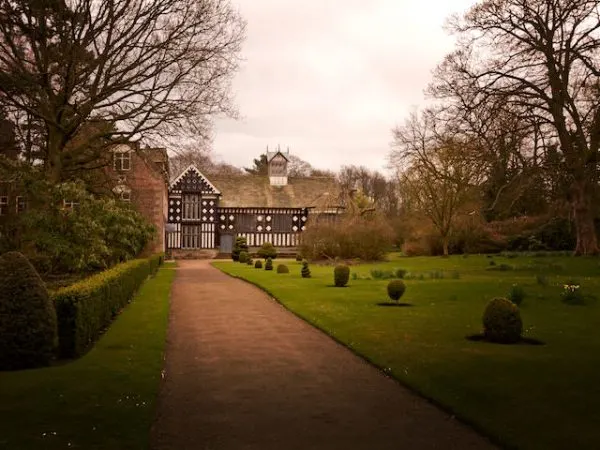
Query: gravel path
<point x="244" y="373"/>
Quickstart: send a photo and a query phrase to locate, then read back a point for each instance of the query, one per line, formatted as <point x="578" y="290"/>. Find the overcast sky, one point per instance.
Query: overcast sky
<point x="331" y="78"/>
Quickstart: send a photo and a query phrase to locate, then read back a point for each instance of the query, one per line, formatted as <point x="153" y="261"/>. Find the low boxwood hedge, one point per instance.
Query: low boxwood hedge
<point x="85" y="309"/>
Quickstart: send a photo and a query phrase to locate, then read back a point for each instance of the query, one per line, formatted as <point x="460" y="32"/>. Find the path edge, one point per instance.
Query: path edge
<point x="492" y="438"/>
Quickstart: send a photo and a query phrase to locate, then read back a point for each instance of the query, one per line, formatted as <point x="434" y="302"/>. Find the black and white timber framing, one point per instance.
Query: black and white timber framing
<point x="196" y="221"/>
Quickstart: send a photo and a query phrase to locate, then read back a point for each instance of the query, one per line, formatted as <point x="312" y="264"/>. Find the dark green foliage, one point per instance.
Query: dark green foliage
<point x="400" y="273"/>
<point x="243" y="256"/>
<point x="396" y="289"/>
<point x="455" y="275"/>
<point x="269" y="264"/>
<point x="85" y="309"/>
<point x="27" y="315"/>
<point x="250" y="261"/>
<point x="305" y="272"/>
<point x="341" y="275"/>
<point x="298" y="257"/>
<point x="516" y="294"/>
<point x="267" y="250"/>
<point x="98" y="233"/>
<point x="240" y="246"/>
<point x="282" y="268"/>
<point x="258" y="264"/>
<point x="502" y="321"/>
<point x="492" y="262"/>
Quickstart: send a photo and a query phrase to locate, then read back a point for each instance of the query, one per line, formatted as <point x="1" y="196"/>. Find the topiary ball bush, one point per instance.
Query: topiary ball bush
<point x="305" y="271"/>
<point x="282" y="268"/>
<point x="267" y="250"/>
<point x="243" y="257"/>
<point x="341" y="275"/>
<point x="258" y="264"/>
<point x="502" y="321"/>
<point x="28" y="333"/>
<point x="395" y="289"/>
<point x="269" y="264"/>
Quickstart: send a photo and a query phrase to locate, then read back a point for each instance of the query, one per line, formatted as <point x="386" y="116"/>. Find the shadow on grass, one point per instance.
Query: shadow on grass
<point x="522" y="341"/>
<point x="394" y="304"/>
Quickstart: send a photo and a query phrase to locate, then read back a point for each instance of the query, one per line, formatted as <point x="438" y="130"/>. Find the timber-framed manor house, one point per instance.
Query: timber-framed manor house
<point x="208" y="214"/>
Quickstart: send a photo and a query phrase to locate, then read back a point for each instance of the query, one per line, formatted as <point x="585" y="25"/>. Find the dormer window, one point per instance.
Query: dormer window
<point x="122" y="160"/>
<point x="70" y="204"/>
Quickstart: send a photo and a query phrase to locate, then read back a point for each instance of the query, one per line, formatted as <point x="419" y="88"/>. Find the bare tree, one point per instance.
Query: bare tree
<point x="436" y="171"/>
<point x="542" y="56"/>
<point x="150" y="68"/>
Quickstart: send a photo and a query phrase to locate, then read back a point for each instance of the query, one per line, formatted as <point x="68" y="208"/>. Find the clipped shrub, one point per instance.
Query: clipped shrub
<point x="516" y="294"/>
<point x="269" y="264"/>
<point x="396" y="289"/>
<point x="258" y="264"/>
<point x="298" y="257"/>
<point x="282" y="268"/>
<point x="502" y="321"/>
<point x="267" y="250"/>
<point x="250" y="261"/>
<point x="27" y="315"/>
<point x="341" y="275"/>
<point x="240" y="246"/>
<point x="400" y="273"/>
<point x="305" y="271"/>
<point x="501" y="268"/>
<point x="243" y="257"/>
<point x="85" y="309"/>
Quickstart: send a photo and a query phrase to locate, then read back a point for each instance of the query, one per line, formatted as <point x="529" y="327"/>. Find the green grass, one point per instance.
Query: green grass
<point x="105" y="400"/>
<point x="524" y="396"/>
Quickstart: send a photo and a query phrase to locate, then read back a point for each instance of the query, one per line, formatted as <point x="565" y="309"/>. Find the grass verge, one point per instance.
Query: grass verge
<point x="524" y="396"/>
<point x="105" y="400"/>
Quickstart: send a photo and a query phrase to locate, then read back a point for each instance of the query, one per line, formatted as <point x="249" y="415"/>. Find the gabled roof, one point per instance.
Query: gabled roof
<point x="245" y="191"/>
<point x="271" y="155"/>
<point x="191" y="176"/>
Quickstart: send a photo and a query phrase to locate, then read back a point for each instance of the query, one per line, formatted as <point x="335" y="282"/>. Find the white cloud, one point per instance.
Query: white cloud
<point x="331" y="78"/>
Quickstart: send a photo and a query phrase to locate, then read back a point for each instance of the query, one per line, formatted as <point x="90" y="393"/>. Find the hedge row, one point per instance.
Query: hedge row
<point x="85" y="309"/>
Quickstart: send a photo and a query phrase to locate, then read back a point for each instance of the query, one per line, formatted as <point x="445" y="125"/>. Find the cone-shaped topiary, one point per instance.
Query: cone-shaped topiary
<point x="341" y="275"/>
<point x="395" y="289"/>
<point x="28" y="334"/>
<point x="258" y="264"/>
<point x="269" y="264"/>
<point x="502" y="321"/>
<point x="240" y="246"/>
<point x="243" y="257"/>
<point x="282" y="268"/>
<point x="305" y="272"/>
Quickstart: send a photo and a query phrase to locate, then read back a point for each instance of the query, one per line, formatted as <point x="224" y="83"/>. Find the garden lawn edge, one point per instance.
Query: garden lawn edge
<point x="403" y="383"/>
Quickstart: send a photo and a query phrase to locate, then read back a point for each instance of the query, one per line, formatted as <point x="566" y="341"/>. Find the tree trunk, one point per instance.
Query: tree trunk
<point x="587" y="242"/>
<point x="54" y="156"/>
<point x="445" y="245"/>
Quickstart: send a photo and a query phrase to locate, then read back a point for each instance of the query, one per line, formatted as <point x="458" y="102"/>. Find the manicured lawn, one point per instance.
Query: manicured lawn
<point x="105" y="400"/>
<point x="524" y="396"/>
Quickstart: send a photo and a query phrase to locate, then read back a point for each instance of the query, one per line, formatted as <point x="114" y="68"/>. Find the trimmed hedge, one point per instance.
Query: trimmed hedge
<point x="341" y="275"/>
<point x="85" y="309"/>
<point x="502" y="321"/>
<point x="282" y="268"/>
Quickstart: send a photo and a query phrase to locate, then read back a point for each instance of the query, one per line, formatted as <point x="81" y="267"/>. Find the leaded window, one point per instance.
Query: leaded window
<point x="122" y="160"/>
<point x="191" y="207"/>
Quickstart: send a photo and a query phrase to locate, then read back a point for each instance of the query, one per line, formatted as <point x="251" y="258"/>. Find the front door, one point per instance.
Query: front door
<point x="226" y="243"/>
